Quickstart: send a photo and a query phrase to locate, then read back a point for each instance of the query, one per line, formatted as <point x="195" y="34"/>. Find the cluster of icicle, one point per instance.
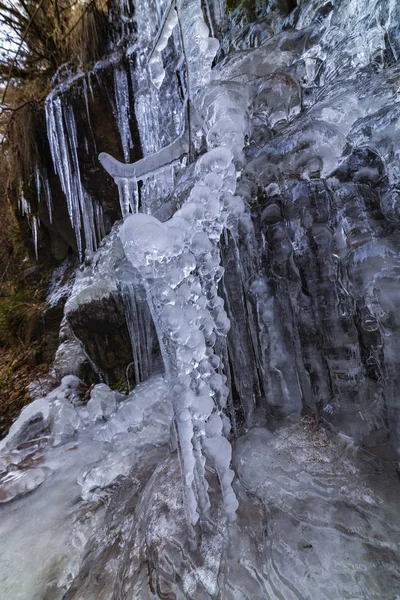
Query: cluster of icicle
<point x="179" y="262"/>
<point x="62" y="135"/>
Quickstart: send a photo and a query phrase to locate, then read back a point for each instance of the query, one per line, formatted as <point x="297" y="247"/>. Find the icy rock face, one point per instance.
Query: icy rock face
<point x="307" y="285"/>
<point x="146" y="409"/>
<point x="68" y="474"/>
<point x="323" y="513"/>
<point x="102" y="403"/>
<point x="302" y="493"/>
<point x="318" y="175"/>
<point x="272" y="292"/>
<point x="108" y="316"/>
<point x="292" y="122"/>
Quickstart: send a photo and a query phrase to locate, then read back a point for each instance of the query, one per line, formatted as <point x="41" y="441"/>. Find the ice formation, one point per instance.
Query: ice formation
<point x="179" y="262"/>
<point x="170" y="20"/>
<point x="62" y="134"/>
<point x="259" y="244"/>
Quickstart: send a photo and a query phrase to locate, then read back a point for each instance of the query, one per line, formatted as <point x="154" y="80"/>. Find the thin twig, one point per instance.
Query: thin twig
<point x="9" y="108"/>
<point x="89" y="5"/>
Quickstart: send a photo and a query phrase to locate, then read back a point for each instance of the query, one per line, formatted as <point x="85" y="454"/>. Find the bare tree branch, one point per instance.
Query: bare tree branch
<point x="19" y="47"/>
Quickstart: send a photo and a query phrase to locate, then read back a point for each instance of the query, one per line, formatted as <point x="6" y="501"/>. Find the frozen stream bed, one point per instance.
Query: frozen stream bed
<point x="316" y="519"/>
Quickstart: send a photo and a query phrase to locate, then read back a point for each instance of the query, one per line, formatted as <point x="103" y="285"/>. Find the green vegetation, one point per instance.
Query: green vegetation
<point x="18" y="367"/>
<point x="19" y="313"/>
<point x="23" y="286"/>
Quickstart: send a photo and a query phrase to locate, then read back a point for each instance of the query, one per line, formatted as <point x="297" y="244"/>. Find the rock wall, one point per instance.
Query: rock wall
<point x="311" y="279"/>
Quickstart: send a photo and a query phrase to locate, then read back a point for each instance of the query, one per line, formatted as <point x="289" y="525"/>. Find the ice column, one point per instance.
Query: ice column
<point x="180" y="266"/>
<point x="179" y="262"/>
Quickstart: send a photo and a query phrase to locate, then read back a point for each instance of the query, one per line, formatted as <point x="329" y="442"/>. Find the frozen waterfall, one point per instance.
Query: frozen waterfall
<point x="225" y="421"/>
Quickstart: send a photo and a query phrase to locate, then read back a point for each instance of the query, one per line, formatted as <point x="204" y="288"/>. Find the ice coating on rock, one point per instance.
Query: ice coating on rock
<point x="54" y="410"/>
<point x="310" y="292"/>
<point x="19" y="483"/>
<point x="102" y="403"/>
<point x="60" y="284"/>
<point x="37" y="410"/>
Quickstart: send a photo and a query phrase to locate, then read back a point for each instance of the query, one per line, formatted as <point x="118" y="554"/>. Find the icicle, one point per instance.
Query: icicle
<point x="99" y="221"/>
<point x="85" y="203"/>
<point x="124" y="195"/>
<point x="139" y="326"/>
<point x="35" y="226"/>
<point x="43" y="183"/>
<point x="37" y="176"/>
<point x="85" y="95"/>
<point x="24" y="206"/>
<point x="157" y="72"/>
<point x="121" y="91"/>
<point x="62" y="164"/>
<point x="47" y="195"/>
<point x="128" y="298"/>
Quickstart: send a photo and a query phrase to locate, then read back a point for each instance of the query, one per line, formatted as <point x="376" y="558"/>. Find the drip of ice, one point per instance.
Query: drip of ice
<point x="42" y="183"/>
<point x="128" y="195"/>
<point x="24" y="205"/>
<point x="37" y="177"/>
<point x="139" y="327"/>
<point x="170" y="20"/>
<point x="47" y="195"/>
